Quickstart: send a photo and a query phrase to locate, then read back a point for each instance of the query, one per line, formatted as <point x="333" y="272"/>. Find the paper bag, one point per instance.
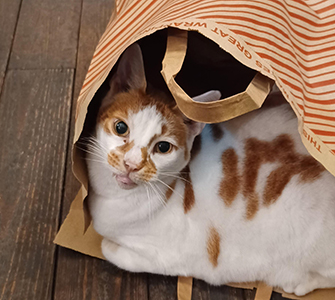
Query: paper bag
<point x="291" y="43"/>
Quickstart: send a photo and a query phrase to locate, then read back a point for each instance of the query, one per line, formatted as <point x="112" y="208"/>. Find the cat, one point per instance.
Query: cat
<point x="238" y="201"/>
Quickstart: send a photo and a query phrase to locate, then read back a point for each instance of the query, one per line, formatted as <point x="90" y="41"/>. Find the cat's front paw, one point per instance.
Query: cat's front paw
<point x="299" y="290"/>
<point x="125" y="258"/>
<point x="310" y="284"/>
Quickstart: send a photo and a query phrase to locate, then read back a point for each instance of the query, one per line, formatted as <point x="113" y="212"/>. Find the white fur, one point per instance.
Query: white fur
<point x="290" y="244"/>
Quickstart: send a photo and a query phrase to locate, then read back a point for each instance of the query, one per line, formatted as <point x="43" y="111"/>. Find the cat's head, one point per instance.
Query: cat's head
<point x="143" y="137"/>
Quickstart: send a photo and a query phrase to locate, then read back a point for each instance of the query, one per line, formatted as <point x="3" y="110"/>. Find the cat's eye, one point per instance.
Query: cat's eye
<point x="121" y="128"/>
<point x="163" y="147"/>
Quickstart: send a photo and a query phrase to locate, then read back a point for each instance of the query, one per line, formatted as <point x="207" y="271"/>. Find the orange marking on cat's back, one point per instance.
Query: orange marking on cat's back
<point x="189" y="199"/>
<point x="287" y="163"/>
<point x="311" y="169"/>
<point x="230" y="184"/>
<point x="252" y="206"/>
<point x="256" y="152"/>
<point x="280" y="150"/>
<point x="213" y="246"/>
<point x="305" y="166"/>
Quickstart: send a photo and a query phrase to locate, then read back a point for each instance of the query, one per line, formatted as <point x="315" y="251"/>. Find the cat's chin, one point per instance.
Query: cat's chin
<point x="125" y="182"/>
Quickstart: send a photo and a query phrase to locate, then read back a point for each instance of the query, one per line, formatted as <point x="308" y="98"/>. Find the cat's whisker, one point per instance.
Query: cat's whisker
<point x="92" y="152"/>
<point x="97" y="147"/>
<point x="174" y="176"/>
<point x="162" y="196"/>
<point x="96" y="150"/>
<point x="93" y="142"/>
<point x="102" y="147"/>
<point x="176" y="173"/>
<point x="154" y="188"/>
<point x="149" y="201"/>
<point x="157" y="192"/>
<point x="173" y="190"/>
<point x="99" y="161"/>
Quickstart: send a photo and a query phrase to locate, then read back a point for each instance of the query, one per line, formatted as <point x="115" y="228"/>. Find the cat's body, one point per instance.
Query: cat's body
<point x="250" y="205"/>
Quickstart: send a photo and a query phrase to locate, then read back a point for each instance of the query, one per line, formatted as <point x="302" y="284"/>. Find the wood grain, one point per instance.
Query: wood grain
<point x="87" y="278"/>
<point x="202" y="290"/>
<point x="95" y="16"/>
<point x="47" y="35"/>
<point x="9" y="10"/>
<point x="134" y="286"/>
<point x="34" y="117"/>
<point x="162" y="287"/>
<point x="90" y="278"/>
<point x="277" y="296"/>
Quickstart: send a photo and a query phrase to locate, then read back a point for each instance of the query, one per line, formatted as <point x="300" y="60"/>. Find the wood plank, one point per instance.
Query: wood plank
<point x="94" y="278"/>
<point x="162" y="287"/>
<point x="34" y="111"/>
<point x="277" y="296"/>
<point x="202" y="290"/>
<point x="47" y="35"/>
<point x="95" y="16"/>
<point x="9" y="10"/>
<point x="134" y="286"/>
<point x="249" y="294"/>
<point x="91" y="278"/>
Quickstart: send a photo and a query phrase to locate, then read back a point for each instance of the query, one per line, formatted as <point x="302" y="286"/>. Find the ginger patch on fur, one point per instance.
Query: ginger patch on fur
<point x="189" y="198"/>
<point x="148" y="166"/>
<point x="288" y="163"/>
<point x="280" y="150"/>
<point x="113" y="159"/>
<point x="213" y="246"/>
<point x="126" y="147"/>
<point x="230" y="184"/>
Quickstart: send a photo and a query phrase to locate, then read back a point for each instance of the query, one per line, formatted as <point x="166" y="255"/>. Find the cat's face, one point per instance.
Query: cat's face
<point x="143" y="139"/>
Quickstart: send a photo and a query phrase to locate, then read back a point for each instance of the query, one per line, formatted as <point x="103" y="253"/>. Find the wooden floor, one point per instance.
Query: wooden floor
<point x="45" y="50"/>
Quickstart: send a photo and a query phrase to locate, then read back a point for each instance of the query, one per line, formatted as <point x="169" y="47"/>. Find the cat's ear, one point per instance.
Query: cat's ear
<point x="195" y="128"/>
<point x="130" y="73"/>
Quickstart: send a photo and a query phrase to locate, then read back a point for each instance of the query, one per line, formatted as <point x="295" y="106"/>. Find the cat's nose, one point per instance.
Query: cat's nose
<point x="131" y="167"/>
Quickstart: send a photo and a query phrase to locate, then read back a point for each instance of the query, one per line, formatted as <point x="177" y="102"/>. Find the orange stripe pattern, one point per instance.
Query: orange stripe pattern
<point x="295" y="38"/>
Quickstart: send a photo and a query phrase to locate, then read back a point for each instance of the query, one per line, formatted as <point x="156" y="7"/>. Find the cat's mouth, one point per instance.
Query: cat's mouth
<point x="125" y="182"/>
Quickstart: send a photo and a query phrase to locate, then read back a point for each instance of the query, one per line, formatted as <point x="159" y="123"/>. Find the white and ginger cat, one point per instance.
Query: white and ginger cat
<point x="247" y="203"/>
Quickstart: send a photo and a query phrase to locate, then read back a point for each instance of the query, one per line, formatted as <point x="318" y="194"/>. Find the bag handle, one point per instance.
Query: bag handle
<point x="210" y="112"/>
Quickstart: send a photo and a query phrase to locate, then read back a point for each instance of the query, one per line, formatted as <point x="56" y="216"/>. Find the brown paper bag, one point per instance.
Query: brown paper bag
<point x="291" y="43"/>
